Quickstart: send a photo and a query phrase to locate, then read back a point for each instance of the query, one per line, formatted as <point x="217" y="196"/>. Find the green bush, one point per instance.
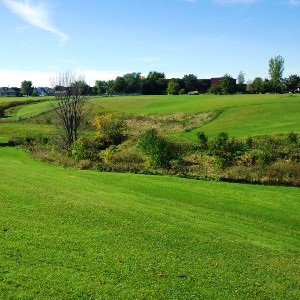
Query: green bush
<point x="78" y="150"/>
<point x="225" y="150"/>
<point x="202" y="141"/>
<point x="110" y="128"/>
<point x="158" y="149"/>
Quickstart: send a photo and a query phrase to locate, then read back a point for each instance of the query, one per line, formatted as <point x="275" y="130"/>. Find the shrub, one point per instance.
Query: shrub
<point x="292" y="138"/>
<point x="202" y="141"/>
<point x="78" y="150"/>
<point x="159" y="150"/>
<point x="108" y="153"/>
<point x="225" y="150"/>
<point x="110" y="128"/>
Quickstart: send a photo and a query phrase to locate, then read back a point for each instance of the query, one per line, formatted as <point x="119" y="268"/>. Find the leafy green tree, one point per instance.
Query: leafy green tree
<point x="292" y="83"/>
<point x="173" y="87"/>
<point x="266" y="86"/>
<point x="256" y="86"/>
<point x="133" y="83"/>
<point x="154" y="84"/>
<point x="81" y="87"/>
<point x="228" y="85"/>
<point x="276" y="68"/>
<point x="241" y="87"/>
<point x="119" y="85"/>
<point x="101" y="87"/>
<point x="26" y="88"/>
<point x="190" y="82"/>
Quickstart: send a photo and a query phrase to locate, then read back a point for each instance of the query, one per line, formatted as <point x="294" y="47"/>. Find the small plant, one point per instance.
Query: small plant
<point x="78" y="150"/>
<point x="108" y="153"/>
<point x="202" y="141"/>
<point x="292" y="138"/>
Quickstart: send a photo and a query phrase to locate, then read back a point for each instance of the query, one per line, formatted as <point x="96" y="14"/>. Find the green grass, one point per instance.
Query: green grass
<point x="69" y="234"/>
<point x="240" y="115"/>
<point x="9" y="130"/>
<point x="28" y="111"/>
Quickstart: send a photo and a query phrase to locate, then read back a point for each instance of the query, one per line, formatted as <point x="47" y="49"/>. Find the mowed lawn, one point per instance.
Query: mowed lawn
<point x="70" y="234"/>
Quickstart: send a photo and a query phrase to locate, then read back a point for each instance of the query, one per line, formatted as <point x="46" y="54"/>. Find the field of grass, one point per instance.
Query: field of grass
<point x="69" y="234"/>
<point x="239" y="115"/>
<point x="28" y="111"/>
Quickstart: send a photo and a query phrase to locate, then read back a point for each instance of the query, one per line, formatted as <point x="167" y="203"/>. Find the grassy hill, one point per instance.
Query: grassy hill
<point x="239" y="115"/>
<point x="69" y="234"/>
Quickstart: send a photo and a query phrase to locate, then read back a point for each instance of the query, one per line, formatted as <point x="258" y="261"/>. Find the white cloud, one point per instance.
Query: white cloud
<point x="34" y="14"/>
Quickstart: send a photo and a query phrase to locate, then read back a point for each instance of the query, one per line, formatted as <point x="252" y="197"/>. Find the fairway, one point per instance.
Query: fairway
<point x="69" y="234"/>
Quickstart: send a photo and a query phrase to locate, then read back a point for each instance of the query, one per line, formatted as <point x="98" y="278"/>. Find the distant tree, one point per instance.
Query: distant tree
<point x="110" y="87"/>
<point x="190" y="82"/>
<point x="241" y="88"/>
<point x="100" y="87"/>
<point x="228" y="85"/>
<point x="203" y="85"/>
<point x="292" y="83"/>
<point x="154" y="84"/>
<point x="173" y="87"/>
<point x="70" y="100"/>
<point x="215" y="89"/>
<point x="266" y="86"/>
<point x="26" y="88"/>
<point x="256" y="85"/>
<point x="119" y="85"/>
<point x="82" y="87"/>
<point x="276" y="68"/>
<point x="133" y="83"/>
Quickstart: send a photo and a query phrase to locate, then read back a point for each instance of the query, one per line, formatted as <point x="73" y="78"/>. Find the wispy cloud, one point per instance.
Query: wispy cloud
<point x="34" y="14"/>
<point x="294" y="2"/>
<point x="149" y="59"/>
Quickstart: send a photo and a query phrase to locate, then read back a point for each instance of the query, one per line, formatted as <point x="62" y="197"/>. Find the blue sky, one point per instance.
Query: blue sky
<point x="102" y="39"/>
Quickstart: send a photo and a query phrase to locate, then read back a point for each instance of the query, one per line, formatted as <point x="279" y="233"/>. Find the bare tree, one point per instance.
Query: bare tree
<point x="70" y="100"/>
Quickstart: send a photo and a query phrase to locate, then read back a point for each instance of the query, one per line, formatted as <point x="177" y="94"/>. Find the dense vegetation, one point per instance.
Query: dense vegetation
<point x="190" y="142"/>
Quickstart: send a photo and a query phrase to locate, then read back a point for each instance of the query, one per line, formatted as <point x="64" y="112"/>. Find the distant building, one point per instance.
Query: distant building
<point x="215" y="81"/>
<point x="43" y="91"/>
<point x="9" y="92"/>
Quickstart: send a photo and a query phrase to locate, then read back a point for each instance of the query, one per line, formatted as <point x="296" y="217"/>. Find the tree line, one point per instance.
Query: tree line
<point x="156" y="83"/>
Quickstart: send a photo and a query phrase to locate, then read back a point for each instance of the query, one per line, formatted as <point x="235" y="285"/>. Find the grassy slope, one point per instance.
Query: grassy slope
<point x="241" y="115"/>
<point x="27" y="111"/>
<point x="85" y="235"/>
